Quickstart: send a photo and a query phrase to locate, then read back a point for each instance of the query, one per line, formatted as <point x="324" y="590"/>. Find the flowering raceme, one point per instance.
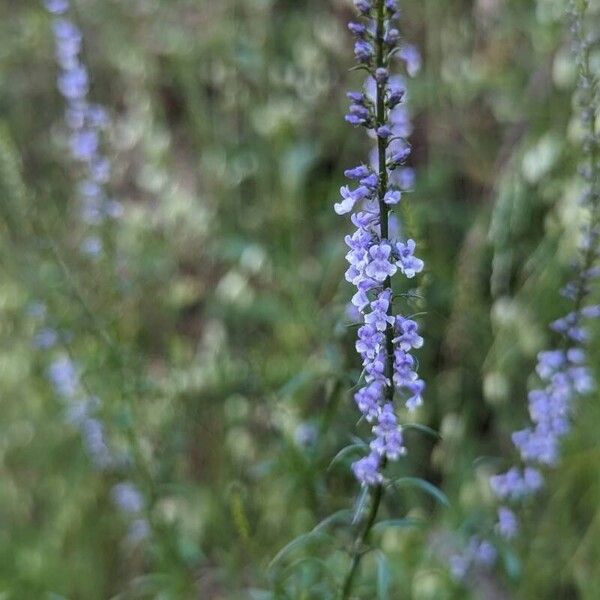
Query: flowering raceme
<point x="563" y="371"/>
<point x="85" y="122"/>
<point x="385" y="339"/>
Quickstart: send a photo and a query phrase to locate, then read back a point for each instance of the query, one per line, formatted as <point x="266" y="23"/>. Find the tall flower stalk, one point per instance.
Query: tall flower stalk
<point x="85" y="122"/>
<point x="376" y="254"/>
<point x="563" y="371"/>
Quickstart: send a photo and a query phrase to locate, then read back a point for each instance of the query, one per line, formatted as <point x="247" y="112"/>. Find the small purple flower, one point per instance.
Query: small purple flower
<point x="57" y="7"/>
<point x="363" y="6"/>
<point x="380" y="267"/>
<point x="45" y="339"/>
<point x="359" y="172"/>
<point x="127" y="497"/>
<point x="91" y="246"/>
<point x="407" y="262"/>
<point x="357" y="29"/>
<point x="379" y="316"/>
<point x="507" y="525"/>
<point x="84" y="144"/>
<point x="407" y="332"/>
<point x="368" y="400"/>
<point x="63" y="376"/>
<point x="484" y="554"/>
<point x="384" y="132"/>
<point x="392" y="197"/>
<point x="350" y="198"/>
<point x="416" y="389"/>
<point x="388" y="435"/>
<point x="381" y="75"/>
<point x="363" y="51"/>
<point x="370" y="341"/>
<point x="459" y="566"/>
<point x="412" y="58"/>
<point x="391" y="36"/>
<point x="366" y="470"/>
<point x="73" y="84"/>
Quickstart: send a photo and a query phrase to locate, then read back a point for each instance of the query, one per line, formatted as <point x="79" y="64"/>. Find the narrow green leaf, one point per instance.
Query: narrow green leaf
<point x="298" y="542"/>
<point x="345" y="452"/>
<point x="423" y="485"/>
<point x="361" y="502"/>
<point x="339" y="516"/>
<point x="423" y="429"/>
<point x="405" y="523"/>
<point x="383" y="577"/>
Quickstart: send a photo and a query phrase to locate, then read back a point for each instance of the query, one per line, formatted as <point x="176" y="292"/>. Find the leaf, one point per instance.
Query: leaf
<point x="345" y="452"/>
<point x="423" y="429"/>
<point x="340" y="515"/>
<point x="512" y="565"/>
<point x="298" y="542"/>
<point x="405" y="523"/>
<point x="359" y="507"/>
<point x="383" y="577"/>
<point x="423" y="485"/>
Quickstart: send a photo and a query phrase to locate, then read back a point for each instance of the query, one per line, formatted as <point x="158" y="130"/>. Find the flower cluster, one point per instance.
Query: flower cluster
<point x="479" y="553"/>
<point x="82" y="411"/>
<point x="385" y="339"/>
<point x="563" y="371"/>
<point x="85" y="122"/>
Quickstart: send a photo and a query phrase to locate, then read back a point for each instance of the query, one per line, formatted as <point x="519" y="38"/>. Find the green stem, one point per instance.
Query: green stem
<point x="358" y="548"/>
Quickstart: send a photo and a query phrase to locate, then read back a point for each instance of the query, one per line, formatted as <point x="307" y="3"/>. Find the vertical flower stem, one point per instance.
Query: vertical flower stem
<point x="359" y="542"/>
<point x="377" y="493"/>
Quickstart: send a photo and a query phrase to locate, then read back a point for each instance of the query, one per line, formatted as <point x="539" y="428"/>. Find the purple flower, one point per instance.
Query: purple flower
<point x="359" y="172"/>
<point x="363" y="6"/>
<point x="415" y="388"/>
<point x="391" y="36"/>
<point x="363" y="51"/>
<point x="45" y="339"/>
<point x="388" y="435"/>
<point x="507" y="525"/>
<point x="407" y="262"/>
<point x="407" y="332"/>
<point x="368" y="400"/>
<point x="127" y="497"/>
<point x="379" y="316"/>
<point x="57" y="7"/>
<point x="63" y="376"/>
<point x="366" y="470"/>
<point x="357" y="29"/>
<point x="73" y="84"/>
<point x="392" y="197"/>
<point x="412" y="58"/>
<point x="381" y="75"/>
<point x="484" y="554"/>
<point x="84" y="144"/>
<point x="370" y="341"/>
<point x="380" y="268"/>
<point x="350" y="198"/>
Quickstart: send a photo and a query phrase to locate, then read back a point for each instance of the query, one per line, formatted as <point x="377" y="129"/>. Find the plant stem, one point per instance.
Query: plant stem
<point x="359" y="542"/>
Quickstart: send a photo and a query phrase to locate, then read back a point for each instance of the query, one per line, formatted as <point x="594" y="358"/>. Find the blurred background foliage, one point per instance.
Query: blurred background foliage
<point x="214" y="330"/>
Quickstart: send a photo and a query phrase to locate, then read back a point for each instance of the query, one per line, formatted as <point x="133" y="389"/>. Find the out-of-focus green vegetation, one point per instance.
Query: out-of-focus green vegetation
<point x="214" y="331"/>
